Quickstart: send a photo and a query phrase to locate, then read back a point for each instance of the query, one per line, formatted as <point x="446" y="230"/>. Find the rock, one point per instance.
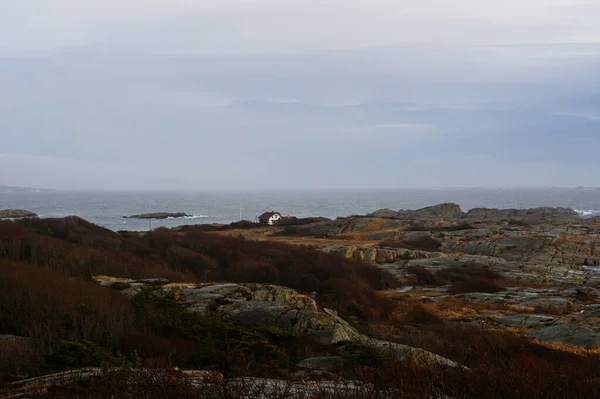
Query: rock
<point x="325" y="363"/>
<point x="568" y="334"/>
<point x="548" y="304"/>
<point x="284" y="296"/>
<point x="154" y="281"/>
<point x="325" y="327"/>
<point x="231" y="291"/>
<point x="158" y="215"/>
<point x="16" y="214"/>
<point x="384" y="213"/>
<point x="447" y="211"/>
<point x="524" y="321"/>
<point x="532" y="215"/>
<point x="419" y="356"/>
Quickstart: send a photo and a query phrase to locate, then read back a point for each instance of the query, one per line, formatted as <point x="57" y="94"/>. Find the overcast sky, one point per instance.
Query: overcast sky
<point x="171" y="94"/>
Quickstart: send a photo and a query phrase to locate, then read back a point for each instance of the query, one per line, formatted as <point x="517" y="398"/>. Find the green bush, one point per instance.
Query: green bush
<point x="72" y="354"/>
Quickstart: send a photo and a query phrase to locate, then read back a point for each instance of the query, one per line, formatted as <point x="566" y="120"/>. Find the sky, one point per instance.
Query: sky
<point x="267" y="94"/>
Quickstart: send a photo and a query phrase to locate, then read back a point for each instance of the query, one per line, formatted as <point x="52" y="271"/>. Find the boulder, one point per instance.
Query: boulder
<point x="325" y="327"/>
<point x="419" y="356"/>
<point x="16" y="214"/>
<point x="571" y="334"/>
<point x="283" y="296"/>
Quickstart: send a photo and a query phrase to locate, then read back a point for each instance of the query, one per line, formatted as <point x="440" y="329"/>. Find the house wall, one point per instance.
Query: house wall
<point x="274" y="218"/>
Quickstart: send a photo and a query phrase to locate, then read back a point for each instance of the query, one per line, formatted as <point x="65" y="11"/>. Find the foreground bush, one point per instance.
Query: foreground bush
<point x="49" y="306"/>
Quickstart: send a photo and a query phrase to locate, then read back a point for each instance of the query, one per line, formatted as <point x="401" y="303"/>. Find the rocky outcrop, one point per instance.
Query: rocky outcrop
<point x="447" y="211"/>
<point x="16" y="214"/>
<point x="384" y="213"/>
<point x="158" y="215"/>
<point x="378" y="254"/>
<point x="532" y="214"/>
<point x="420" y="357"/>
<point x="571" y="334"/>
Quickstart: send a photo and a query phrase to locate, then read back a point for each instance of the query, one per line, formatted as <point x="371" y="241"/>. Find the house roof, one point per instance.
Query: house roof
<point x="267" y="215"/>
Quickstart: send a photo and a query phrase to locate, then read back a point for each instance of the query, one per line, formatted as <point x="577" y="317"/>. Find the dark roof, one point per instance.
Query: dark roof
<point x="267" y="215"/>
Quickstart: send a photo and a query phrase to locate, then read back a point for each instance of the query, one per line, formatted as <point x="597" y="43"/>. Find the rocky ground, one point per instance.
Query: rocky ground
<point x="531" y="273"/>
<point x="545" y="258"/>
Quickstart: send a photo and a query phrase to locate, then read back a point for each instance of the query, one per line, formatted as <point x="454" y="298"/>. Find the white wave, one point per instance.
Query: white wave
<point x="189" y="217"/>
<point x="591" y="212"/>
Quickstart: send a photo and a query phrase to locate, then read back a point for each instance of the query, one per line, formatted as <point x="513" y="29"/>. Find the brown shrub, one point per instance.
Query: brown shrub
<point x="18" y="357"/>
<point x="49" y="306"/>
<point x="212" y="257"/>
<point x="19" y="244"/>
<point x="419" y="314"/>
<point x="423" y="275"/>
<point x="467" y="272"/>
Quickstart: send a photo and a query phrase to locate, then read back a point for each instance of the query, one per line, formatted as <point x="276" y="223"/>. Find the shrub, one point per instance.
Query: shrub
<point x="49" y="306"/>
<point x="423" y="275"/>
<point x="70" y="354"/>
<point x="467" y="272"/>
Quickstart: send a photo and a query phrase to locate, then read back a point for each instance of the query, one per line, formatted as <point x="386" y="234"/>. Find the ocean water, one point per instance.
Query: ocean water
<point x="107" y="208"/>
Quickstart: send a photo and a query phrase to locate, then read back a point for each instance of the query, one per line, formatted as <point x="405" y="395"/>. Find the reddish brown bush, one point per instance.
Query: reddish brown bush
<point x="423" y="275"/>
<point x="77" y="260"/>
<point x="211" y="257"/>
<point x="49" y="306"/>
<point x="467" y="272"/>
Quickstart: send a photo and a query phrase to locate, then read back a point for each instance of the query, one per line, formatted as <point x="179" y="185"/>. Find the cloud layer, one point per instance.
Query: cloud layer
<point x="272" y="94"/>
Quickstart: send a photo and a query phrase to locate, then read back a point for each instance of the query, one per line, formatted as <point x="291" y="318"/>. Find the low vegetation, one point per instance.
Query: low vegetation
<point x="53" y="317"/>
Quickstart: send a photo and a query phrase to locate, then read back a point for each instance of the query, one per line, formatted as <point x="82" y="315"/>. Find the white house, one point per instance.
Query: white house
<point x="269" y="218"/>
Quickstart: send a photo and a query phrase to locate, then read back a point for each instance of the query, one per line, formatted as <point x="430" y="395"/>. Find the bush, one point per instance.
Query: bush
<point x="419" y="314"/>
<point x="50" y="306"/>
<point x="71" y="354"/>
<point x="423" y="275"/>
<point x="467" y="272"/>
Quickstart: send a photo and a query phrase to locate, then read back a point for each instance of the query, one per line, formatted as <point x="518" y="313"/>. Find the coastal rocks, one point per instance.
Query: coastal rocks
<point x="384" y="213"/>
<point x="533" y="214"/>
<point x="158" y="215"/>
<point x="447" y="211"/>
<point x="378" y="254"/>
<point x="325" y="327"/>
<point x="571" y="334"/>
<point x="450" y="211"/>
<point x="259" y="305"/>
<point x="525" y="321"/>
<point x="16" y="214"/>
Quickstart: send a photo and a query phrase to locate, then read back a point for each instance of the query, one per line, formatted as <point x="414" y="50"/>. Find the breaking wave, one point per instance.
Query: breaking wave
<point x="588" y="213"/>
<point x="189" y="217"/>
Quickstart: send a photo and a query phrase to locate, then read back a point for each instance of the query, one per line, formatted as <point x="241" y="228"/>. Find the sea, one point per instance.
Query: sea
<point x="107" y="208"/>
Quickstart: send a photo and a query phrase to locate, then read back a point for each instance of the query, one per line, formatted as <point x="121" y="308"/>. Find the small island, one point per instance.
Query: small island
<point x="158" y="215"/>
<point x="16" y="214"/>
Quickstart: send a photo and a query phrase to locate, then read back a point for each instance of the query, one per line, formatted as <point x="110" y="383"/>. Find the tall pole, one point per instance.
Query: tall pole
<point x="240" y="211"/>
